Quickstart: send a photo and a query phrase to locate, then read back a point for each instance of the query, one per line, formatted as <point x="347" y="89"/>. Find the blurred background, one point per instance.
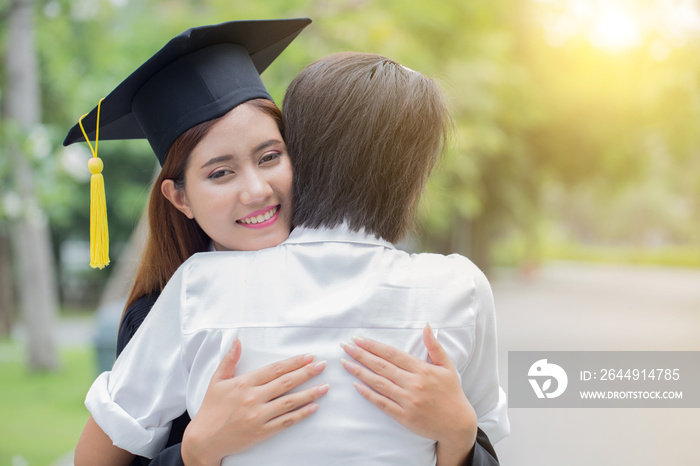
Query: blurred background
<point x="573" y="181"/>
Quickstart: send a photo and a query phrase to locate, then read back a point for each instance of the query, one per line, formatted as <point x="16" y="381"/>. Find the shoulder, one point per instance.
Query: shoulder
<point x="453" y="289"/>
<point x="461" y="285"/>
<point x="474" y="278"/>
<point x="133" y="318"/>
<point x="213" y="261"/>
<point x="465" y="269"/>
<point x="206" y="270"/>
<point x="451" y="269"/>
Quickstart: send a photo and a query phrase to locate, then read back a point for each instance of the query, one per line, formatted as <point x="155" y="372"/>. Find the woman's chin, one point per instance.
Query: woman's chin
<point x="261" y="240"/>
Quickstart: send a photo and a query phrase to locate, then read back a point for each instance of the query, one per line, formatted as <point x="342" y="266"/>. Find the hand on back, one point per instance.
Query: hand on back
<point x="426" y="398"/>
<point x="242" y="411"/>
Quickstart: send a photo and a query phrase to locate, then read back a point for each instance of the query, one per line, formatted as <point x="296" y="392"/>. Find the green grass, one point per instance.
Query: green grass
<point x="42" y="413"/>
<point x="515" y="250"/>
<point x="678" y="256"/>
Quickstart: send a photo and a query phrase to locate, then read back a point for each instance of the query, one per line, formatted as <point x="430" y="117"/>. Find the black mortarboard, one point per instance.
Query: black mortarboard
<point x="199" y="75"/>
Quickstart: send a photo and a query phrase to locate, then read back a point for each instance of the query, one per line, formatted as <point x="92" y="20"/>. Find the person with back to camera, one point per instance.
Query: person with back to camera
<point x="158" y="350"/>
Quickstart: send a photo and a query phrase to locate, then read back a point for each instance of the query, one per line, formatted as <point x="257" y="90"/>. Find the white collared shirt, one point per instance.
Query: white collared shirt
<point x="317" y="289"/>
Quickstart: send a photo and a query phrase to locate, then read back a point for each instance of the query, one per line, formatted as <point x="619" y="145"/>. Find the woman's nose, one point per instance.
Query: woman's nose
<point x="256" y="188"/>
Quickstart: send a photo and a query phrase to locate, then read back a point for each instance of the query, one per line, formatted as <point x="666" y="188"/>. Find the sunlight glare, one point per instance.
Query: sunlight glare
<point x="618" y="25"/>
<point x="614" y="29"/>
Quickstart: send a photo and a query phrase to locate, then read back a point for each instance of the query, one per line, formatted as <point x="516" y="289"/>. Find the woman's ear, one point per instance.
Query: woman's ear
<point x="176" y="197"/>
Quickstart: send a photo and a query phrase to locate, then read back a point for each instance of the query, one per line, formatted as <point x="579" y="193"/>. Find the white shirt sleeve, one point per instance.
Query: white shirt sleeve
<point x="137" y="400"/>
<point x="480" y="373"/>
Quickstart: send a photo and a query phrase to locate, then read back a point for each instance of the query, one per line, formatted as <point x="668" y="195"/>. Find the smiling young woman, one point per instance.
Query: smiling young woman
<point x="217" y="198"/>
<point x="237" y="180"/>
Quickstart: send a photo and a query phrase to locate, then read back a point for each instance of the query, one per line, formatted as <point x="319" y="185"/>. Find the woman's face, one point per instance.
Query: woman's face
<point x="238" y="183"/>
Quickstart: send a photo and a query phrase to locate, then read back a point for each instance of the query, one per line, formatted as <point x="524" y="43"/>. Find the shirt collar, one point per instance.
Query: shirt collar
<point x="339" y="234"/>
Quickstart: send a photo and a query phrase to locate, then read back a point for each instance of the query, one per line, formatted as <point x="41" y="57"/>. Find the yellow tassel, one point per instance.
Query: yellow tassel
<point x="99" y="233"/>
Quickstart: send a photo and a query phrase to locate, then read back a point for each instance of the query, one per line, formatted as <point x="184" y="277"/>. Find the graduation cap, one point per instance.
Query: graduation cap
<point x="199" y="75"/>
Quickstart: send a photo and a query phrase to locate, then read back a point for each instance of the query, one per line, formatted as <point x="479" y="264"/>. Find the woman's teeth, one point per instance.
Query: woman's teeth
<point x="260" y="218"/>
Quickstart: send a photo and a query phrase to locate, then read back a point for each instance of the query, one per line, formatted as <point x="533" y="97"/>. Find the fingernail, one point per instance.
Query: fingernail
<point x="313" y="407"/>
<point x="323" y="389"/>
<point x="427" y="325"/>
<point x="308" y="358"/>
<point x="348" y="364"/>
<point x="359" y="341"/>
<point x="359" y="387"/>
<point x="319" y="366"/>
<point x="350" y="349"/>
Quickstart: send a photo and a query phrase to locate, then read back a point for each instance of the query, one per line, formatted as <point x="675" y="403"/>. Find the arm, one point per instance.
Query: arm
<point x="426" y="398"/>
<point x="393" y="375"/>
<point x="242" y="411"/>
<point x="483" y="453"/>
<point x="223" y="426"/>
<point x="95" y="447"/>
<point x="424" y="411"/>
<point x="131" y="321"/>
<point x="480" y="372"/>
<point x="125" y="402"/>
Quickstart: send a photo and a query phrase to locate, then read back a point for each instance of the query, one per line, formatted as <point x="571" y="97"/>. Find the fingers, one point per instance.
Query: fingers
<point x="435" y="350"/>
<point x="390" y="354"/>
<point x="387" y="405"/>
<point x="289" y="419"/>
<point x="381" y="384"/>
<point x="288" y="381"/>
<point x="228" y="363"/>
<point x="290" y="409"/>
<point x="278" y="369"/>
<point x="376" y="364"/>
<point x="288" y="403"/>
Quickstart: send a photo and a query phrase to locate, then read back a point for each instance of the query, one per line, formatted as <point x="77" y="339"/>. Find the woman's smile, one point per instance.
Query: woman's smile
<point x="261" y="218"/>
<point x="238" y="182"/>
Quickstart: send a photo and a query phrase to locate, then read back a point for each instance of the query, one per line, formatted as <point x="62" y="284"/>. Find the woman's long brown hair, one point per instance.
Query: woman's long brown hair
<point x="173" y="237"/>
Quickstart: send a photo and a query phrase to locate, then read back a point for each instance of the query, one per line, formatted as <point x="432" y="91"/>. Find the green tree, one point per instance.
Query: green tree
<point x="29" y="228"/>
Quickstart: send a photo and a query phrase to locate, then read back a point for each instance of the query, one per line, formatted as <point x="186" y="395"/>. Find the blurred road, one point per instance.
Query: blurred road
<point x="593" y="307"/>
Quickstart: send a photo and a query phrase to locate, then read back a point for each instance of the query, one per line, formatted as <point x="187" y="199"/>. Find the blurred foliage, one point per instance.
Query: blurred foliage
<point x="597" y="144"/>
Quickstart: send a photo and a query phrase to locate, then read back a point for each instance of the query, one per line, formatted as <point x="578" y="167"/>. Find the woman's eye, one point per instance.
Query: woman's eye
<point x="270" y="157"/>
<point x="219" y="173"/>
